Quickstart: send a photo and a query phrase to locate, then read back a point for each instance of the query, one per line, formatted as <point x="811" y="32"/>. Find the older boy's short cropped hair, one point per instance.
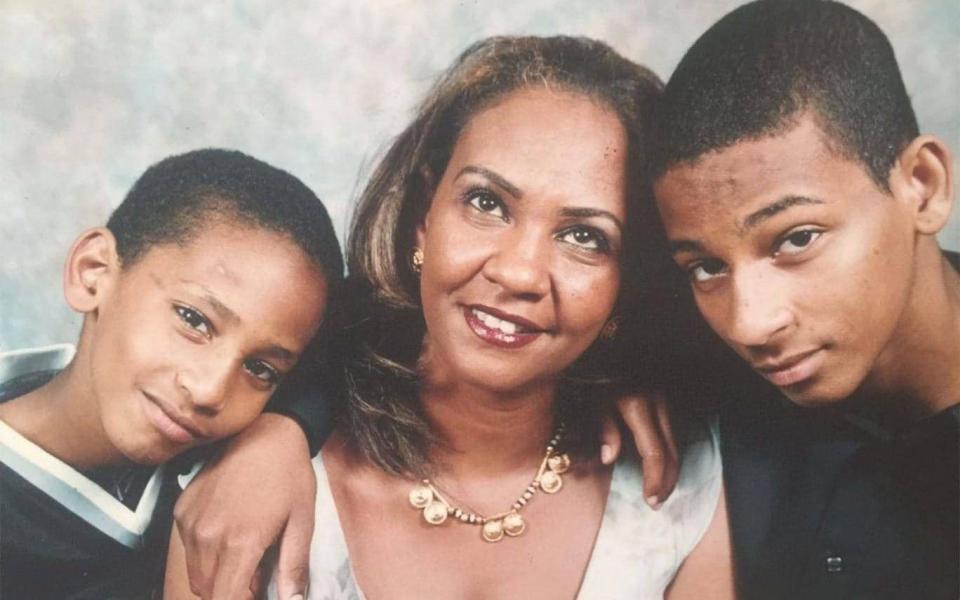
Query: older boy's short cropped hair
<point x="180" y="195"/>
<point x="767" y="62"/>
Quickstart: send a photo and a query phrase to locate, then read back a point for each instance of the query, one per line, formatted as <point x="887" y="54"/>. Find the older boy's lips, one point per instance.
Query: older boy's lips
<point x="793" y="369"/>
<point x="173" y="426"/>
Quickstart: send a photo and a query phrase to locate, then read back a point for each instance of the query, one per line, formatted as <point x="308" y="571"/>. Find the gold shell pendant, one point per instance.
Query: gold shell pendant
<point x="435" y="513"/>
<point x="492" y="531"/>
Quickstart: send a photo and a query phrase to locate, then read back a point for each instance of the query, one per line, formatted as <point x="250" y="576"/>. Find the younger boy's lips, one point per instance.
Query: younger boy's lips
<point x="171" y="425"/>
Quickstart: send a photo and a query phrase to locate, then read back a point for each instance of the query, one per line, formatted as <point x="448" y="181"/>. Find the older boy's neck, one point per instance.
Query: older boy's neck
<point x="919" y="374"/>
<point x="59" y="418"/>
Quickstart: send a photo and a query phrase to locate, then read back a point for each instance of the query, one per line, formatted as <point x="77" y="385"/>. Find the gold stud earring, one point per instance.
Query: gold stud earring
<point x="416" y="260"/>
<point x="610" y="329"/>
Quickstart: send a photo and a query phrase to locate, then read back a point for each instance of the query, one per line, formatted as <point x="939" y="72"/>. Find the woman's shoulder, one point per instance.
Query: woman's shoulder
<point x="639" y="549"/>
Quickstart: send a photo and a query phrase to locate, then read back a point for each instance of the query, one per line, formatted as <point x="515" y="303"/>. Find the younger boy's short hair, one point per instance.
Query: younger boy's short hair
<point x="180" y="195"/>
<point x="766" y="62"/>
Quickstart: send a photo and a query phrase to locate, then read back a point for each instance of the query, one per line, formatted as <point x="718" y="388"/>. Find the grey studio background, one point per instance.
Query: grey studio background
<point x="91" y="93"/>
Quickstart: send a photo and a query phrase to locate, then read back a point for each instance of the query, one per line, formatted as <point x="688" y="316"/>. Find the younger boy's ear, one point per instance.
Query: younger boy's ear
<point x="92" y="264"/>
<point x="923" y="176"/>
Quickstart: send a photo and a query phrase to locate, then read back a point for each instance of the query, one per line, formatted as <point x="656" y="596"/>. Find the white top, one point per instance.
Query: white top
<point x="637" y="551"/>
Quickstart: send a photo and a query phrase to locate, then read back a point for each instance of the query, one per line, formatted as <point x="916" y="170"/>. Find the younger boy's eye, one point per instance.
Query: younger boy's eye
<point x="797" y="241"/>
<point x="486" y="202"/>
<point x="262" y="371"/>
<point x="194" y="319"/>
<point x="586" y="238"/>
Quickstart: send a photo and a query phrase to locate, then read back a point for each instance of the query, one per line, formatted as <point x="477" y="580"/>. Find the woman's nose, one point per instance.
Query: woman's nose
<point x="520" y="264"/>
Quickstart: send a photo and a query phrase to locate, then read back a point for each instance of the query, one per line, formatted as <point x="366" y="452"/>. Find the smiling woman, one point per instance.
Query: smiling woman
<point x="491" y="254"/>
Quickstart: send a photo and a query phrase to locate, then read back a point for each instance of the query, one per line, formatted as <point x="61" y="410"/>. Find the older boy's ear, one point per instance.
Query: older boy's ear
<point x="91" y="265"/>
<point x="923" y="176"/>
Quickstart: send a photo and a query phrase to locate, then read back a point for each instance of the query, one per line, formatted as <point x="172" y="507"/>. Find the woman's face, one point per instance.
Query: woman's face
<point x="522" y="240"/>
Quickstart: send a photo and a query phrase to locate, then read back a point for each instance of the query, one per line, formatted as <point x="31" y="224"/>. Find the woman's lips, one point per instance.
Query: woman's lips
<point x="793" y="370"/>
<point x="164" y="423"/>
<point x="498" y="331"/>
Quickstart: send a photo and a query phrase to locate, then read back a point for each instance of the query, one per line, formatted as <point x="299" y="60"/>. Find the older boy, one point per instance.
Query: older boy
<point x="208" y="283"/>
<point x="803" y="203"/>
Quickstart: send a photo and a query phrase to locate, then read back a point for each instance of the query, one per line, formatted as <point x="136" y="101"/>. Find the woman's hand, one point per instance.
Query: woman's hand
<point x="647" y="418"/>
<point x="260" y="489"/>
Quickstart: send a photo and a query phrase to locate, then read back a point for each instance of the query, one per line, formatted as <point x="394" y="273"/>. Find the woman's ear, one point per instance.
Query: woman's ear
<point x="92" y="265"/>
<point x="923" y="176"/>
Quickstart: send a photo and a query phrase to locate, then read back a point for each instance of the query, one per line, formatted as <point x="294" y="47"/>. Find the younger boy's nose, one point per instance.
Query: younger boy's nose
<point x="205" y="385"/>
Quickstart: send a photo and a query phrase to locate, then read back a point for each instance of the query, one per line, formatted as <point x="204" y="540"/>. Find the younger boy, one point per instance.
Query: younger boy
<point x="800" y="198"/>
<point x="203" y="290"/>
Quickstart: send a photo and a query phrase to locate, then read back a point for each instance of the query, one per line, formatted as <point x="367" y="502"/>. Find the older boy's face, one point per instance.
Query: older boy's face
<point x="796" y="258"/>
<point x="190" y="341"/>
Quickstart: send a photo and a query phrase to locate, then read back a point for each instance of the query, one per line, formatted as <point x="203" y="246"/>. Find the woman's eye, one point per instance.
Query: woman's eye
<point x="586" y="238"/>
<point x="262" y="371"/>
<point x="194" y="320"/>
<point x="798" y="241"/>
<point x="705" y="270"/>
<point x="486" y="202"/>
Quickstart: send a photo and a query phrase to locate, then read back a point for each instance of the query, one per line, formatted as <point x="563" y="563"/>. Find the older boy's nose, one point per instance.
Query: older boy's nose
<point x="520" y="265"/>
<point x="759" y="311"/>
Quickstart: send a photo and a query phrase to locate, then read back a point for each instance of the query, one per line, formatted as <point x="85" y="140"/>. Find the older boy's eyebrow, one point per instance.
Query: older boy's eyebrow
<point x="494" y="177"/>
<point x="681" y="246"/>
<point x="768" y="211"/>
<point x="586" y="212"/>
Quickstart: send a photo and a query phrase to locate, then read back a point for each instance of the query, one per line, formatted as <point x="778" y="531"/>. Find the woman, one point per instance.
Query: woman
<point x="498" y="239"/>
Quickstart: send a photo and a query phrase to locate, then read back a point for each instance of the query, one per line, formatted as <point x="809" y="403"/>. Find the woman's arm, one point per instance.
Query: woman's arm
<point x="707" y="572"/>
<point x="259" y="491"/>
<point x="176" y="583"/>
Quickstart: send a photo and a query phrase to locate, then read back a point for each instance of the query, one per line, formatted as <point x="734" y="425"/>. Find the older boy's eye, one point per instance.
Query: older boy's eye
<point x="193" y="319"/>
<point x="586" y="238"/>
<point x="705" y="270"/>
<point x="262" y="371"/>
<point x="487" y="202"/>
<point x="798" y="241"/>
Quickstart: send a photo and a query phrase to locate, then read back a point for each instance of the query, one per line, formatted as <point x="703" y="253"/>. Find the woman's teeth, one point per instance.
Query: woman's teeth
<point x="493" y="322"/>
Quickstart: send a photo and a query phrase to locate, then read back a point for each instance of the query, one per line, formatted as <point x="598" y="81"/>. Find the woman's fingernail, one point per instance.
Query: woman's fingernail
<point x="654" y="502"/>
<point x="296" y="597"/>
<point x="606" y="454"/>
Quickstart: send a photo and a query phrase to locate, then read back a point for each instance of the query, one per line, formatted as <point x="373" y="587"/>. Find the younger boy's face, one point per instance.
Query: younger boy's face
<point x="190" y="340"/>
<point x="796" y="258"/>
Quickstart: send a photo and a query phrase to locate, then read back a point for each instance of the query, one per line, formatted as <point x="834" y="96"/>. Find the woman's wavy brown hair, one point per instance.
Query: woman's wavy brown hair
<point x="382" y="414"/>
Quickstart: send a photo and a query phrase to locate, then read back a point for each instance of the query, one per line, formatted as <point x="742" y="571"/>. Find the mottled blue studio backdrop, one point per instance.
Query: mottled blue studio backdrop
<point x="91" y="93"/>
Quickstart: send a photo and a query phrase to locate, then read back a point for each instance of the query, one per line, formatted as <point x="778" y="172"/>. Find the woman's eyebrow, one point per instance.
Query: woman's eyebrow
<point x="493" y="176"/>
<point x="586" y="212"/>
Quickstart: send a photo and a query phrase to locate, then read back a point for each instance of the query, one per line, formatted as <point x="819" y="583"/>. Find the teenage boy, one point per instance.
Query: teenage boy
<point x="802" y="202"/>
<point x="208" y="283"/>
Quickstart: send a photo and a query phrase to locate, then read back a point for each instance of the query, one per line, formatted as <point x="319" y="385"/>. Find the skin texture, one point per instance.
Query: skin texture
<point x="799" y="260"/>
<point x="181" y="348"/>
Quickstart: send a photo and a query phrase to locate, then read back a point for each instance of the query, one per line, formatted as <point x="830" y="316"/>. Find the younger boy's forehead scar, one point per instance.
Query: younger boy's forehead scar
<point x="222" y="310"/>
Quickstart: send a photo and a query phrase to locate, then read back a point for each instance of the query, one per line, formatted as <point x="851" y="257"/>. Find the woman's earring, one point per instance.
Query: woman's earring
<point x="610" y="329"/>
<point x="416" y="260"/>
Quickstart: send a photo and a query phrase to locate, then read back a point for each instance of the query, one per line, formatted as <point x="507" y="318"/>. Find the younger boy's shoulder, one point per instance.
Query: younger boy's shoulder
<point x="24" y="370"/>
